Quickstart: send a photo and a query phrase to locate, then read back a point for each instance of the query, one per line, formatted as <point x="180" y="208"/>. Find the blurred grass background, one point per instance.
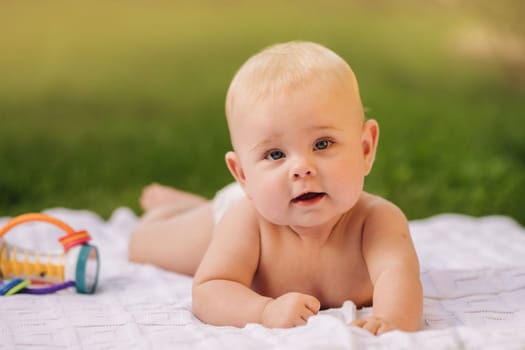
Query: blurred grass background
<point x="100" y="98"/>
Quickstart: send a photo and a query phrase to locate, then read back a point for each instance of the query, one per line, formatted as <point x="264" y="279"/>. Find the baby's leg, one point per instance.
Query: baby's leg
<point x="175" y="235"/>
<point x="156" y="195"/>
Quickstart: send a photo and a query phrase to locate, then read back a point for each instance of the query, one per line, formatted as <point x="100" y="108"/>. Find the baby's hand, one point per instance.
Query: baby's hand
<point x="289" y="310"/>
<point x="374" y="325"/>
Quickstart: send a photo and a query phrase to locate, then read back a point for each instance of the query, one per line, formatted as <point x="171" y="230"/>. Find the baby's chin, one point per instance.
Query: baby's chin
<point x="305" y="221"/>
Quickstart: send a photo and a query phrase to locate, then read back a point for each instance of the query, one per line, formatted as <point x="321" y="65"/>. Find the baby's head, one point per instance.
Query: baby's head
<point x="286" y="67"/>
<point x="301" y="144"/>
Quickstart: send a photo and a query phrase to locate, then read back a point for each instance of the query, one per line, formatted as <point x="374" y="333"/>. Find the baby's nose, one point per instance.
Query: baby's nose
<point x="303" y="169"/>
<point x="301" y="173"/>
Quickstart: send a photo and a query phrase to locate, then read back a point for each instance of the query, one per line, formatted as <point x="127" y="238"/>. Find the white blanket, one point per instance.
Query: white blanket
<point x="473" y="272"/>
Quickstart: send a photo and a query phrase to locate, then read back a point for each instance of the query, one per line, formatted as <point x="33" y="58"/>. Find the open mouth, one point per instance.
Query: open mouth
<point x="308" y="197"/>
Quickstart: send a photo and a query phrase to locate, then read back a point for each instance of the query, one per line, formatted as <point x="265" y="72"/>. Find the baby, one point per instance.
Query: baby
<point x="296" y="233"/>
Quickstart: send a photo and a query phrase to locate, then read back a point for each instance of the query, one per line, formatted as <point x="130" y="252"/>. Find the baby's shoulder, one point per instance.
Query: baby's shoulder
<point x="380" y="211"/>
<point x="240" y="214"/>
<point x="372" y="202"/>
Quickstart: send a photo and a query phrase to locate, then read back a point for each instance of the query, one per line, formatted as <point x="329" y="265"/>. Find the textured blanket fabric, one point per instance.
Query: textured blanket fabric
<point x="473" y="272"/>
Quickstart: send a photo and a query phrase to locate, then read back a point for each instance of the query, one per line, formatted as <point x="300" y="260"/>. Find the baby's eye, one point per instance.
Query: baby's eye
<point x="274" y="155"/>
<point x="322" y="144"/>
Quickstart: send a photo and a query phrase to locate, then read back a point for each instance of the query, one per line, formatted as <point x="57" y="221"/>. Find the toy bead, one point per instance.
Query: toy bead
<point x="74" y="238"/>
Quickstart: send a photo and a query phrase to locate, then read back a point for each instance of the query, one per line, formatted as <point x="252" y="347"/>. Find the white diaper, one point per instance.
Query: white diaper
<point x="224" y="198"/>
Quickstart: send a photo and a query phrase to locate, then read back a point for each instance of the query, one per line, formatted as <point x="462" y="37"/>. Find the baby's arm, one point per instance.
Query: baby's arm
<point x="221" y="287"/>
<point x="394" y="270"/>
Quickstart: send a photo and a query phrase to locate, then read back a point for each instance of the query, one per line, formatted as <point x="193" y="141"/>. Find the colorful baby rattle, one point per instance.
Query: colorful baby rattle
<point x="76" y="266"/>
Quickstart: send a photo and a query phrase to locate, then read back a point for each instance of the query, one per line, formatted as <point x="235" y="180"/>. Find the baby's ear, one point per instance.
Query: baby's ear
<point x="233" y="163"/>
<point x="369" y="139"/>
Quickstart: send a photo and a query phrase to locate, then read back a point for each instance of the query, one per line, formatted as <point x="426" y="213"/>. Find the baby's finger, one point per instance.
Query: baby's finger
<point x="368" y="324"/>
<point x="307" y="313"/>
<point x="358" y="323"/>
<point x="372" y="326"/>
<point x="301" y="321"/>
<point x="313" y="304"/>
<point x="383" y="328"/>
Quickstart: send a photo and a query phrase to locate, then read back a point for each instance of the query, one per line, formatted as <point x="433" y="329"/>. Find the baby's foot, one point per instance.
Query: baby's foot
<point x="156" y="195"/>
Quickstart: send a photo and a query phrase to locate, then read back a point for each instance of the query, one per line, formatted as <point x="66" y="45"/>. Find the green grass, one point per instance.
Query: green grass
<point x="98" y="99"/>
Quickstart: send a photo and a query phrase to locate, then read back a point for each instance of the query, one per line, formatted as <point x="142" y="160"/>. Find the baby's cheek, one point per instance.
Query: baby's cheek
<point x="269" y="204"/>
<point x="349" y="190"/>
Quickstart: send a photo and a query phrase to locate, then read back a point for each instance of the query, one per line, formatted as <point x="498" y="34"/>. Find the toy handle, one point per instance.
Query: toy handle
<point x="34" y="217"/>
<point x="70" y="239"/>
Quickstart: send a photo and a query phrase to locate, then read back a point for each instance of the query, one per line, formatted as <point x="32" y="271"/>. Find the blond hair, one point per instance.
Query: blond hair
<point x="285" y="66"/>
